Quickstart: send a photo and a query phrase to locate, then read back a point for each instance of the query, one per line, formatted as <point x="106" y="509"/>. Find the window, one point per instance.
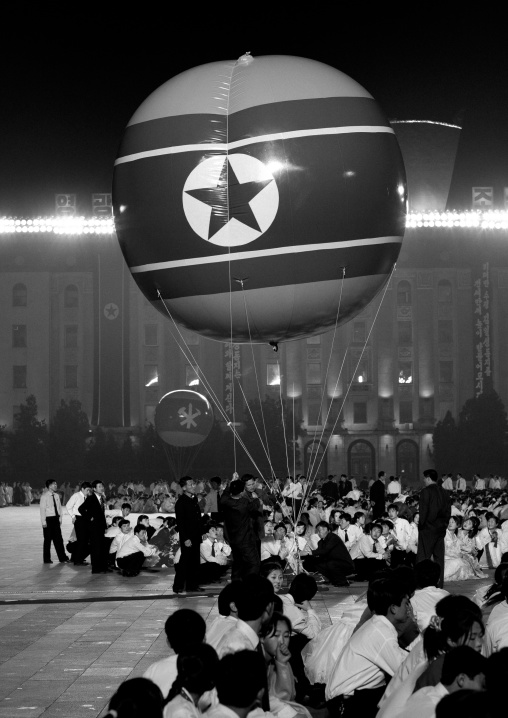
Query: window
<point x="191" y="376"/>
<point x="360" y="412"/>
<point x="151" y="335"/>
<point x="403" y="293"/>
<point x="19" y="377"/>
<point x="359" y="332"/>
<point x="151" y="375"/>
<point x="70" y="376"/>
<point x="71" y="298"/>
<point x="445" y="331"/>
<point x="19" y="295"/>
<point x="272" y="375"/>
<point x="361" y="372"/>
<point x="314" y="340"/>
<point x="15" y="416"/>
<point x="19" y="335"/>
<point x="405" y="330"/>
<point x="444" y="292"/>
<point x="71" y="336"/>
<point x="446" y="371"/>
<point x="405" y="372"/>
<point x="313" y="373"/>
<point x="406" y="412"/>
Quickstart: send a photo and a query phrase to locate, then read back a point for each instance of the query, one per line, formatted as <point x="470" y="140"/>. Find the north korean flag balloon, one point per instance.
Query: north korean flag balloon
<point x="250" y="195"/>
<point x="183" y="418"/>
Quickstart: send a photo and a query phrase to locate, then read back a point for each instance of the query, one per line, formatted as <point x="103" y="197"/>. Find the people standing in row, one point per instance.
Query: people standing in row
<point x="93" y="511"/>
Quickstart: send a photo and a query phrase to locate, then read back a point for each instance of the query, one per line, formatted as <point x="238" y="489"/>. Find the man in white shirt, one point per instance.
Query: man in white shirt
<point x="212" y="563"/>
<point x="402" y="532"/>
<point x="51" y="520"/>
<point x="427" y="595"/>
<point x="460" y="484"/>
<point x="344" y="531"/>
<point x="496" y="632"/>
<point x="212" y="498"/>
<point x="184" y="628"/>
<point x="368" y="554"/>
<point x="274" y="547"/>
<point x="463" y="669"/>
<point x="240" y="686"/>
<point x="478" y="483"/>
<point x="81" y="550"/>
<point x="119" y="540"/>
<point x="130" y="556"/>
<point x="448" y="483"/>
<point x="359" y="675"/>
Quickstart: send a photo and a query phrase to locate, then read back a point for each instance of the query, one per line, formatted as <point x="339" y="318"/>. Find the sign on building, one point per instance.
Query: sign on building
<point x="483" y="197"/>
<point x="102" y="205"/>
<point x="65" y="205"/>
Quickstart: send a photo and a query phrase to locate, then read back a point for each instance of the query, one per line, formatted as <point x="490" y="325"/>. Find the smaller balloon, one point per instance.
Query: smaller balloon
<point x="183" y="418"/>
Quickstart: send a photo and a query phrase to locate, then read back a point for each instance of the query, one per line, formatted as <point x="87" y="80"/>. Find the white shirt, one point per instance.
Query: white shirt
<point x="480" y="484"/>
<point x="240" y="638"/>
<point x="163" y="673"/>
<point x="133" y="545"/>
<point x="364" y="548"/>
<point x="306" y="622"/>
<point x="496" y="633"/>
<point x="218" y="628"/>
<point x="119" y="541"/>
<point x="424" y="604"/>
<point x="341" y="533"/>
<point x="422" y="704"/>
<point x="402" y="532"/>
<point x="270" y="547"/>
<point x="293" y="490"/>
<point x="369" y="654"/>
<point x="74" y="503"/>
<point x="205" y="552"/>
<point x="460" y="484"/>
<point x="394" y="487"/>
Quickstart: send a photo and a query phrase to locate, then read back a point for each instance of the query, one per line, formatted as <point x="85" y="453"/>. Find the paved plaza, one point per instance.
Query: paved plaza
<point x="68" y="638"/>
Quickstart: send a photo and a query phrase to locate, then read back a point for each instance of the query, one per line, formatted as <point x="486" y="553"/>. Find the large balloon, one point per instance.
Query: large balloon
<point x="183" y="418"/>
<point x="243" y="188"/>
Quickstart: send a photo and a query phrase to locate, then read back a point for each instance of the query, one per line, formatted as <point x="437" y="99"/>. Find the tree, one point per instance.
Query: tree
<point x="483" y="435"/>
<point x="445" y="445"/>
<point x="68" y="435"/>
<point x="102" y="457"/>
<point x="28" y="444"/>
<point x="278" y="429"/>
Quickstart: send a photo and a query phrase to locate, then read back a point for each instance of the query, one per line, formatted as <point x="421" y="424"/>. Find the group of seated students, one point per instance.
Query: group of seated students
<point x="403" y="649"/>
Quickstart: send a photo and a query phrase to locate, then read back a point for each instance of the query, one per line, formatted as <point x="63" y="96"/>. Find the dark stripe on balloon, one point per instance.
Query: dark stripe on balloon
<point x="267" y="119"/>
<point x="265" y="272"/>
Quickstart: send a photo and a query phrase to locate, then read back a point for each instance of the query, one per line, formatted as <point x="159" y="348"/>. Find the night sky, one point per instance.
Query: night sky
<point x="72" y="76"/>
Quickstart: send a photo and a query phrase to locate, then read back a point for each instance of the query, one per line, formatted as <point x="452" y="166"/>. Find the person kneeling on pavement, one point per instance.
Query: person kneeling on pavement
<point x="331" y="558"/>
<point x="134" y="552"/>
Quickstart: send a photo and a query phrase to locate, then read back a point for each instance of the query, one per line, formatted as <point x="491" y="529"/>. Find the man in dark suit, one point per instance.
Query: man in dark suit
<point x="92" y="510"/>
<point x="330" y="489"/>
<point x="377" y="496"/>
<point x="242" y="515"/>
<point x="331" y="558"/>
<point x="189" y="525"/>
<point x="435" y="511"/>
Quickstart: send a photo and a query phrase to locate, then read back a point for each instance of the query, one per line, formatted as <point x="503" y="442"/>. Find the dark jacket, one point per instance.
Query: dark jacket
<point x="435" y="509"/>
<point x="93" y="513"/>
<point x="332" y="548"/>
<point x="377" y="492"/>
<point x="330" y="489"/>
<point x="241" y="516"/>
<point x="188" y="518"/>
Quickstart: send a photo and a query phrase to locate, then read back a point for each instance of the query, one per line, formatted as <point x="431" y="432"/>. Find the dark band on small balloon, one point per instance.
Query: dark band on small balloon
<point x="273" y="118"/>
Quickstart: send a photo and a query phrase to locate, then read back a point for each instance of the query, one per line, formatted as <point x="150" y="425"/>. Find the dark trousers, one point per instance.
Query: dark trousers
<point x="82" y="549"/>
<point x="210" y="571"/>
<point x="246" y="560"/>
<point x="98" y="553"/>
<point x="53" y="533"/>
<point x="362" y="704"/>
<point x="400" y="558"/>
<point x="131" y="563"/>
<point x="187" y="569"/>
<point x="366" y="567"/>
<point x="431" y="545"/>
<point x="335" y="571"/>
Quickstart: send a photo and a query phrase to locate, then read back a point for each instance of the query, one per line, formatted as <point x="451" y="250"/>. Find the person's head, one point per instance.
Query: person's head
<point x="215" y="483"/>
<point x="141" y="532"/>
<point x="301" y="528"/>
<point x="188" y="485"/>
<point x="249" y="483"/>
<point x="381" y="475"/>
<point x="453" y="524"/>
<point x="388" y="597"/>
<point x="255" y="599"/>
<point x="86" y="488"/>
<point x="386" y="526"/>
<point x="236" y="487"/>
<point x="170" y="521"/>
<point x="241" y="680"/>
<point x="137" y="698"/>
<point x="393" y="512"/>
<point x="143" y="520"/>
<point x="212" y="532"/>
<point x="344" y="521"/>
<point x="427" y="573"/>
<point x="276" y="632"/>
<point x="359" y="519"/>
<point x="463" y="668"/>
<point x="458" y="622"/>
<point x="375" y="531"/>
<point x="197" y="668"/>
<point x="184" y="627"/>
<point x="268" y="527"/>
<point x="51" y="485"/>
<point x="430" y="476"/>
<point x="322" y="529"/>
<point x="416" y="518"/>
<point x="124" y="526"/>
<point x="280" y="531"/>
<point x="126" y="509"/>
<point x="226" y="601"/>
<point x="273" y="572"/>
<point x="98" y="486"/>
<point x="115" y="520"/>
<point x="303" y="587"/>
<point x="492" y="523"/>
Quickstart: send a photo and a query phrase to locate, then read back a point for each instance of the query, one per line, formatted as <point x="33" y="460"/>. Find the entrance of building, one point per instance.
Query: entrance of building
<point x="361" y="460"/>
<point x="407" y="460"/>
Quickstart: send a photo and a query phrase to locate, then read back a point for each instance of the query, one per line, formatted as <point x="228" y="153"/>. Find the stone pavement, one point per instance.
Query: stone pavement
<point x="69" y="638"/>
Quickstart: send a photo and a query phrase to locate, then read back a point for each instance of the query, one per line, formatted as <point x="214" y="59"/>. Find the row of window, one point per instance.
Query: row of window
<point x="19" y="336"/>
<point x="20" y="296"/>
<point x="405" y="297"/>
<point x="19" y="376"/>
